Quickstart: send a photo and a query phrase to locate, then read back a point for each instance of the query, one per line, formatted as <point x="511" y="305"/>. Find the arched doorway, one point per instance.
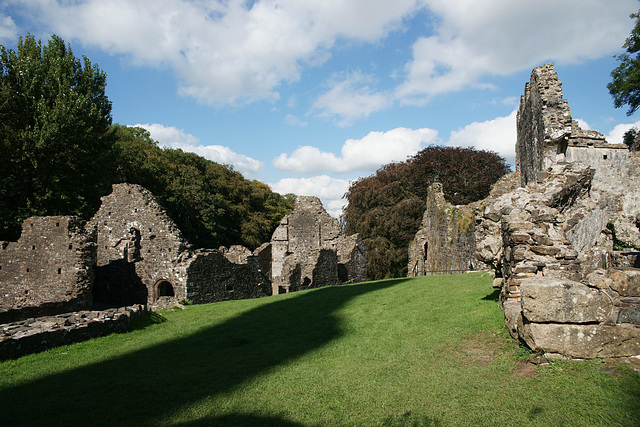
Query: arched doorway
<point x="164" y="288"/>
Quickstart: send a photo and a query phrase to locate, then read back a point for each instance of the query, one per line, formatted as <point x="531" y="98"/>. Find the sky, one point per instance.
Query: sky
<point x="310" y="95"/>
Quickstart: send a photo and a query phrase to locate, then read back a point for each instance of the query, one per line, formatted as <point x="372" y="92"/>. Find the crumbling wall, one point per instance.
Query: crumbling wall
<point x="138" y="250"/>
<point x="445" y="242"/>
<point x="220" y="275"/>
<point x="298" y="259"/>
<point x="562" y="290"/>
<point x="49" y="270"/>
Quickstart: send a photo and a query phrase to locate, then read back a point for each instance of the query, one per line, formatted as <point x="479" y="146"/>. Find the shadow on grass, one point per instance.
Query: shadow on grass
<point x="493" y="296"/>
<point x="149" y="385"/>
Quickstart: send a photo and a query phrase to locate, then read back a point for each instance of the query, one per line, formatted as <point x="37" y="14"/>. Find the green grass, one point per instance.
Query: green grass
<point x="423" y="351"/>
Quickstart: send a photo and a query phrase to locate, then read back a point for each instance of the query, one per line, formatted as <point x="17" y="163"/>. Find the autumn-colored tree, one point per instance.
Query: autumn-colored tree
<point x="387" y="208"/>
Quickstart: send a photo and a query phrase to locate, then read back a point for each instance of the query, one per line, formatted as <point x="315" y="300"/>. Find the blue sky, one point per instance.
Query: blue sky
<point x="308" y="95"/>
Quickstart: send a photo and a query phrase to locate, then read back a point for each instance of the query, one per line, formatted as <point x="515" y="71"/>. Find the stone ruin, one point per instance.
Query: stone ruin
<point x="564" y="247"/>
<point x="309" y="250"/>
<point x="132" y="255"/>
<point x="48" y="270"/>
<point x="143" y="258"/>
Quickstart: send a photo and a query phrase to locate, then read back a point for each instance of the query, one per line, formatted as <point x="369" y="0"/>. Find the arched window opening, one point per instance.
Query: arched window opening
<point x="164" y="289"/>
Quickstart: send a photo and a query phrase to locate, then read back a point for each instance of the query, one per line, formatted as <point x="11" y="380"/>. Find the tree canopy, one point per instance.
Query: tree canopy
<point x="387" y="208"/>
<point x="625" y="86"/>
<point x="54" y="132"/>
<point x="61" y="153"/>
<point x="211" y="203"/>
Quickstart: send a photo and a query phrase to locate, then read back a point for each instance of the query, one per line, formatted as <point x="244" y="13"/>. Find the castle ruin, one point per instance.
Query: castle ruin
<point x="564" y="246"/>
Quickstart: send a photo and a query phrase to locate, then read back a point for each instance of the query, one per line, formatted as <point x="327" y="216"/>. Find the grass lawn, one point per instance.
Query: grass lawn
<point x="422" y="351"/>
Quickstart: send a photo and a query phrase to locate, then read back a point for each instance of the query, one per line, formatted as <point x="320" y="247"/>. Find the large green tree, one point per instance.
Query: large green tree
<point x="387" y="208"/>
<point x="212" y="204"/>
<point x="55" y="142"/>
<point x="625" y="84"/>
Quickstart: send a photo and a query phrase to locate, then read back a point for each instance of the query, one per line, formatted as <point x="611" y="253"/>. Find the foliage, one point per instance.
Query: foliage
<point x="625" y="86"/>
<point x="54" y="133"/>
<point x="387" y="208"/>
<point x="422" y="351"/>
<point x="212" y="204"/>
<point x="60" y="154"/>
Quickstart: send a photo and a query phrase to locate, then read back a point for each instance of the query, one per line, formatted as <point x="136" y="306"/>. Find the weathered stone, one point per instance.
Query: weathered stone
<point x="446" y="240"/>
<point x="563" y="301"/>
<point x="545" y="250"/>
<point x="629" y="315"/>
<point x="626" y="282"/>
<point x="582" y="341"/>
<point x="49" y="270"/>
<point x="298" y="257"/>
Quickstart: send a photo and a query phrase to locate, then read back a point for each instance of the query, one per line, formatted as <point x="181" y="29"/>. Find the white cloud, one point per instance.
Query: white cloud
<point x="617" y="133"/>
<point x="8" y="29"/>
<point x="294" y="121"/>
<point x="351" y="98"/>
<point x="473" y="39"/>
<point x="329" y="190"/>
<point x="171" y="137"/>
<point x="222" y="51"/>
<point x="497" y="135"/>
<point x="366" y="154"/>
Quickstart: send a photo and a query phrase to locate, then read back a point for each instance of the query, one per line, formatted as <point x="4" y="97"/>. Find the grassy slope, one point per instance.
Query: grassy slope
<point x="424" y="351"/>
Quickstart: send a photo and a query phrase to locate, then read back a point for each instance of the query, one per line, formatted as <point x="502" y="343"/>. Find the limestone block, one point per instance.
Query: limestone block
<point x="625" y="281"/>
<point x="629" y="315"/>
<point x="512" y="315"/>
<point x="582" y="341"/>
<point x="546" y="299"/>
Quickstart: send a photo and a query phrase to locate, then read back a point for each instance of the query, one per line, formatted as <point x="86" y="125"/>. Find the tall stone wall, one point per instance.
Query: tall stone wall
<point x="49" y="270"/>
<point x="138" y="250"/>
<point x="299" y="250"/>
<point x="545" y="127"/>
<point x="445" y="242"/>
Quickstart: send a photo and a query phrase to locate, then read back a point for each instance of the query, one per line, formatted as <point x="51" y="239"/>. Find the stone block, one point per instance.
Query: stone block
<point x="546" y="299"/>
<point x="625" y="281"/>
<point x="629" y="315"/>
<point x="582" y="341"/>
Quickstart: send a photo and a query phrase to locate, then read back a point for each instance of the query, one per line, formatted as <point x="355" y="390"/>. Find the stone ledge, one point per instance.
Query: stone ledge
<point x="34" y="335"/>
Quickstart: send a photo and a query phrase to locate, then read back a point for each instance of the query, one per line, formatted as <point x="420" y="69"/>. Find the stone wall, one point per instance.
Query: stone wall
<point x="220" y="275"/>
<point x="49" y="270"/>
<point x="38" y="334"/>
<point x="445" y="242"/>
<point x="139" y="247"/>
<point x="308" y="249"/>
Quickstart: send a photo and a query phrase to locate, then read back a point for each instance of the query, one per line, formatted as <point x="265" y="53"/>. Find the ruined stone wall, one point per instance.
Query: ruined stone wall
<point x="218" y="275"/>
<point x="139" y="248"/>
<point x="297" y="250"/>
<point x="445" y="242"/>
<point x="48" y="270"/>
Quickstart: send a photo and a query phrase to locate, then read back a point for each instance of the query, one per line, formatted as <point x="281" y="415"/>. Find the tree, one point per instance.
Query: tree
<point x="625" y="86"/>
<point x="387" y="208"/>
<point x="212" y="204"/>
<point x="54" y="130"/>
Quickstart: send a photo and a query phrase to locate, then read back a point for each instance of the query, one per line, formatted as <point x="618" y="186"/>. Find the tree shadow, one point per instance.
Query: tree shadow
<point x="149" y="385"/>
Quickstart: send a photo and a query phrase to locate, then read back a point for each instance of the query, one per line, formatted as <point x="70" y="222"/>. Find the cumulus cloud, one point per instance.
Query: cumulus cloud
<point x="222" y="51"/>
<point x="292" y="120"/>
<point x="171" y="137"/>
<point x="329" y="190"/>
<point x="351" y="98"/>
<point x="8" y="28"/>
<point x="497" y="135"/>
<point x="365" y="154"/>
<point x="498" y="37"/>
<point x="617" y="133"/>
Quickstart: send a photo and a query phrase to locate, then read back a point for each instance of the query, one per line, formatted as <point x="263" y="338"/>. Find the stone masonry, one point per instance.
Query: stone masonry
<point x="143" y="257"/>
<point x="308" y="249"/>
<point x="565" y="247"/>
<point x="445" y="242"/>
<point x="49" y="270"/>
